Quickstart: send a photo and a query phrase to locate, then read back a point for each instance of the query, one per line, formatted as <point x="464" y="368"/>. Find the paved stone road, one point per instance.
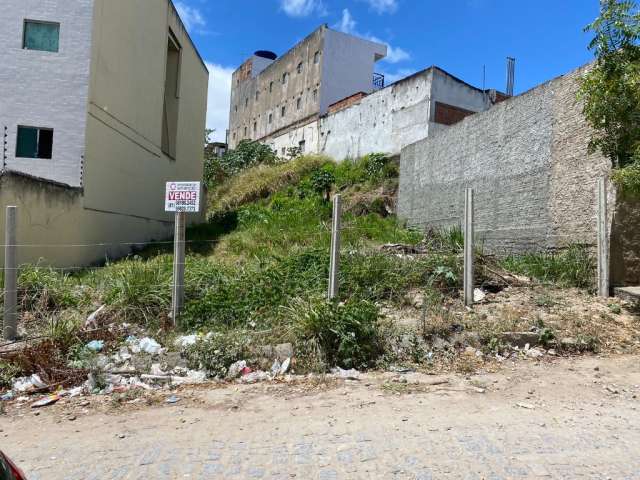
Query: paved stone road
<point x="537" y="421"/>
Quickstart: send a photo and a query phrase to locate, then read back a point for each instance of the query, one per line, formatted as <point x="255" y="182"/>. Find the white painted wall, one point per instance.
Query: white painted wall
<point x="47" y="89"/>
<point x="308" y="133"/>
<point x="389" y="119"/>
<point x="348" y="66"/>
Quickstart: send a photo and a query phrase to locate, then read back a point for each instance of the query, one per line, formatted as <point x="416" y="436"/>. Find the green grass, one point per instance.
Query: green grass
<point x="258" y="269"/>
<point x="572" y="267"/>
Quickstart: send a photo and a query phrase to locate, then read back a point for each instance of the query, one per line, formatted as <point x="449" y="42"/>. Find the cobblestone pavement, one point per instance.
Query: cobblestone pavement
<point x="561" y="421"/>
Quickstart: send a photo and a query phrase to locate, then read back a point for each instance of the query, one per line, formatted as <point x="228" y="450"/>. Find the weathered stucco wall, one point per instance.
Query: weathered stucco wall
<point x="46" y="89"/>
<point x="534" y="179"/>
<point x="248" y="109"/>
<point x="386" y="120"/>
<point x="54" y="228"/>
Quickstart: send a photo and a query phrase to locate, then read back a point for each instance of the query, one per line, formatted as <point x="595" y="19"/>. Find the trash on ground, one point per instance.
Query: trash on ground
<point x="186" y="341"/>
<point x="46" y="401"/>
<point x="172" y="399"/>
<point x="92" y="320"/>
<point x="351" y="374"/>
<point x="28" y="384"/>
<point x="235" y="370"/>
<point x="255" y="377"/>
<point x="95" y="345"/>
<point x="479" y="295"/>
<point x="284" y="368"/>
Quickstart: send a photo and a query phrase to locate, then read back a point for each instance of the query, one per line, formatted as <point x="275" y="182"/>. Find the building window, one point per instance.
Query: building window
<point x="236" y="107"/>
<point x="300" y="67"/>
<point x="270" y="118"/>
<point x="245" y="132"/>
<point x="315" y="95"/>
<point x="299" y="103"/>
<point x="316" y="57"/>
<point x="246" y="102"/>
<point x="34" y="142"/>
<point x="301" y="146"/>
<point x="43" y="36"/>
<point x="234" y="135"/>
<point x="285" y="75"/>
<point x="171" y="97"/>
<point x="283" y="111"/>
<point x="255" y="127"/>
<point x="270" y="87"/>
<point x="284" y="151"/>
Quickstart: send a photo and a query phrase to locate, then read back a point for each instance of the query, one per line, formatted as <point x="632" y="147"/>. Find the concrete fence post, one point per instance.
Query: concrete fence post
<point x="177" y="294"/>
<point x="468" y="247"/>
<point x="10" y="327"/>
<point x="603" y="239"/>
<point x="334" y="265"/>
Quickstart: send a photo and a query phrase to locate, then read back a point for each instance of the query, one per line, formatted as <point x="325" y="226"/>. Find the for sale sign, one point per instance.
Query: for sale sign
<point x="182" y="197"/>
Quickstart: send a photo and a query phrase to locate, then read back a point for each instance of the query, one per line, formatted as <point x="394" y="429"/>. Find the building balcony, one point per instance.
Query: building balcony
<point x="378" y="81"/>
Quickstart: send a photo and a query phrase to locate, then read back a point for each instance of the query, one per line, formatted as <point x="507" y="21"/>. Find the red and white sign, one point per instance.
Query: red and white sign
<point x="182" y="197"/>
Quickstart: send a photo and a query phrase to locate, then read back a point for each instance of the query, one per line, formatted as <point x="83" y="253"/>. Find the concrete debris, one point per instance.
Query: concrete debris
<point x="534" y="353"/>
<point x="520" y="339"/>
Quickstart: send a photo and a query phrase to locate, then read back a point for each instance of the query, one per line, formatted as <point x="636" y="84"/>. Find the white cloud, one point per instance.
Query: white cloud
<point x="347" y="24"/>
<point x="383" y="6"/>
<point x="303" y="8"/>
<point x="218" y="103"/>
<point x="392" y="77"/>
<point x="191" y="16"/>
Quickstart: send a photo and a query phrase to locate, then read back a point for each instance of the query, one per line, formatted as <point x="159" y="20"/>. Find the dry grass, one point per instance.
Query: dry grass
<point x="260" y="182"/>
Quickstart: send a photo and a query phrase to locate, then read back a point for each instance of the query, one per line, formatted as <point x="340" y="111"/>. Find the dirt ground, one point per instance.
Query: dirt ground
<point x="546" y="418"/>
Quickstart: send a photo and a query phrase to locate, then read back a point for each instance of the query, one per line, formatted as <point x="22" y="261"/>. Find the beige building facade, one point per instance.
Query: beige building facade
<point x="121" y="113"/>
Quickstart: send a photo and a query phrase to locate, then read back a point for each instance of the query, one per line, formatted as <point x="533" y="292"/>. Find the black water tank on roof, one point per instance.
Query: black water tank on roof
<point x="266" y="54"/>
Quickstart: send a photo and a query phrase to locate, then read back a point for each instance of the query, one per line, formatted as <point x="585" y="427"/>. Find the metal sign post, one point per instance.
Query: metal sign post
<point x="181" y="198"/>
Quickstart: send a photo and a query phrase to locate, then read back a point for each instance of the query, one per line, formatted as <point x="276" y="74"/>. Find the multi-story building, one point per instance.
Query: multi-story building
<point x="270" y="95"/>
<point x="323" y="96"/>
<point x="102" y="102"/>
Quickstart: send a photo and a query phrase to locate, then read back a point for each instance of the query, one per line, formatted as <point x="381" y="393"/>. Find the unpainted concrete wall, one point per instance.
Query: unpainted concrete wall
<point x="533" y="176"/>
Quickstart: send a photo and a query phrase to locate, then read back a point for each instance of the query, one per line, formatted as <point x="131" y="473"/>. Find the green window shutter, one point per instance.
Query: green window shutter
<point x="27" y="144"/>
<point x="41" y="36"/>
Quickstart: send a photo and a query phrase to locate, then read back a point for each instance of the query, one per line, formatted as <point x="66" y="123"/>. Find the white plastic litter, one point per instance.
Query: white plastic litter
<point x="352" y="374"/>
<point x="26" y="384"/>
<point x="186" y="341"/>
<point x="478" y="295"/>
<point x="236" y="368"/>
<point x="147" y="345"/>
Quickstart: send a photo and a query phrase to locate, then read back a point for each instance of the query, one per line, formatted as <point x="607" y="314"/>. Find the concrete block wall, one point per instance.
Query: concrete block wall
<point x="534" y="179"/>
<point x="47" y="89"/>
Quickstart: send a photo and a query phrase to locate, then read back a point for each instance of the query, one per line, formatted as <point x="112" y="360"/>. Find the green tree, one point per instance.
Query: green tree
<point x="611" y="90"/>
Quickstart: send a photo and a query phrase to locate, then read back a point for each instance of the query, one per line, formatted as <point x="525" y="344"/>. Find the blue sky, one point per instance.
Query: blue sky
<point x="460" y="36"/>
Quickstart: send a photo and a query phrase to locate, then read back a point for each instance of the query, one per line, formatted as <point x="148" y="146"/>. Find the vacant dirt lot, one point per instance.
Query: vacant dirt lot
<point x="557" y="418"/>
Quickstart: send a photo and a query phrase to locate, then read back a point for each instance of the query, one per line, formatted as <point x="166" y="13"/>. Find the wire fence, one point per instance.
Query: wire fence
<point x="347" y="260"/>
